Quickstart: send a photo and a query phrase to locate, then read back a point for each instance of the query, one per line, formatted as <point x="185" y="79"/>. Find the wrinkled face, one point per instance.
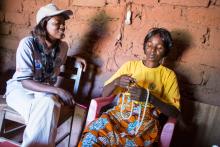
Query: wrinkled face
<point x="155" y="49"/>
<point x="56" y="27"/>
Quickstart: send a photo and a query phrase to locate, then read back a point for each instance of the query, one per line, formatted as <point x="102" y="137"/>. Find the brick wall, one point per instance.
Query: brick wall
<point x="98" y="33"/>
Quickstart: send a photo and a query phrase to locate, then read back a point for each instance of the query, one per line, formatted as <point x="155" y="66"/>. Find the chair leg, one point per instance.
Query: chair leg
<point x="2" y="122"/>
<point x="71" y="124"/>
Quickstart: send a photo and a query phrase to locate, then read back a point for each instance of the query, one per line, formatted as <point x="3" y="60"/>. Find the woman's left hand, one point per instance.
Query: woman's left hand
<point x="137" y="93"/>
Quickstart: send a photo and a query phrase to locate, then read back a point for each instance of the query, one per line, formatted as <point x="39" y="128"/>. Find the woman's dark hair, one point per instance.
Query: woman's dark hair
<point x="165" y="36"/>
<point x="40" y="30"/>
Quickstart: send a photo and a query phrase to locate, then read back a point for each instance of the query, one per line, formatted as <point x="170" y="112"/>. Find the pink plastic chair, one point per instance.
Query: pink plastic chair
<point x="94" y="112"/>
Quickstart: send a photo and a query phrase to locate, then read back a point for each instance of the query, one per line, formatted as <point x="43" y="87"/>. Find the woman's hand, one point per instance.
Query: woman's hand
<point x="65" y="96"/>
<point x="124" y="81"/>
<point x="83" y="61"/>
<point x="137" y="93"/>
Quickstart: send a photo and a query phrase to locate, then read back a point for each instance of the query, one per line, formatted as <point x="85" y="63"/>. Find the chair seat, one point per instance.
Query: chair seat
<point x="65" y="113"/>
<point x="11" y="114"/>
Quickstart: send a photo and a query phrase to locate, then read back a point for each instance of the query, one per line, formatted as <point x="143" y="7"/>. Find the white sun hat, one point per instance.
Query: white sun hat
<point x="51" y="10"/>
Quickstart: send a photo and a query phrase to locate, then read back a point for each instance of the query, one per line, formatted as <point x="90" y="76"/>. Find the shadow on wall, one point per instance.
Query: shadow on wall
<point x="7" y="68"/>
<point x="88" y="51"/>
<point x="198" y="123"/>
<point x="2" y="5"/>
<point x="181" y="42"/>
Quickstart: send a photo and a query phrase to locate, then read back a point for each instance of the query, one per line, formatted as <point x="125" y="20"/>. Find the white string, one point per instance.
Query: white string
<point x="122" y="105"/>
<point x="145" y="107"/>
<point x="139" y="114"/>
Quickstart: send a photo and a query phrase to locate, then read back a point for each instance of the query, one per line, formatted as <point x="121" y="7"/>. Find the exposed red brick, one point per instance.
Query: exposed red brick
<point x="197" y="35"/>
<point x="202" y="3"/>
<point x="203" y="16"/>
<point x="193" y="55"/>
<point x="146" y="2"/>
<point x="163" y="13"/>
<point x="9" y="42"/>
<point x="85" y="14"/>
<point x="210" y="58"/>
<point x="5" y="28"/>
<point x="17" y="18"/>
<point x="32" y="19"/>
<point x="74" y="36"/>
<point x="112" y="2"/>
<point x="11" y="5"/>
<point x="115" y="12"/>
<point x="218" y="3"/>
<point x="40" y="3"/>
<point x="187" y="35"/>
<point x="89" y="3"/>
<point x="214" y="39"/>
<point x="1" y="16"/>
<point x="20" y="31"/>
<point x="30" y="6"/>
<point x="111" y="65"/>
<point x="202" y="56"/>
<point x="61" y="3"/>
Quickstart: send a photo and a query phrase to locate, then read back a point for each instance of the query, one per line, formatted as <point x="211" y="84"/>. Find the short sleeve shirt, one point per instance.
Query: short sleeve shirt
<point x="160" y="81"/>
<point x="29" y="64"/>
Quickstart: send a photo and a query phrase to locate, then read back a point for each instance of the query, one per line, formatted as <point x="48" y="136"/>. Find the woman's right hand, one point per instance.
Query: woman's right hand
<point x="65" y="96"/>
<point x="124" y="81"/>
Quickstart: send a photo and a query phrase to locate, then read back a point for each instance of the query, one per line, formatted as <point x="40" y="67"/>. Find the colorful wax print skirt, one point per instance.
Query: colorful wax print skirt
<point x="116" y="128"/>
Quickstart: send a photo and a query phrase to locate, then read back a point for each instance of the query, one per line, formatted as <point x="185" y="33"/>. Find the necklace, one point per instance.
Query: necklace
<point x="140" y="122"/>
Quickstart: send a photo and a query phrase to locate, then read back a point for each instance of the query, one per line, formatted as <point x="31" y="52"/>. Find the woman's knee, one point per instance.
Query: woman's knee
<point x="50" y="100"/>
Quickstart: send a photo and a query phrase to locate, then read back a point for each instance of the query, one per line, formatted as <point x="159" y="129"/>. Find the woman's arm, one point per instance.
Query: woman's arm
<point x="123" y="81"/>
<point x="108" y="89"/>
<point x="40" y="87"/>
<point x="140" y="94"/>
<point x="165" y="108"/>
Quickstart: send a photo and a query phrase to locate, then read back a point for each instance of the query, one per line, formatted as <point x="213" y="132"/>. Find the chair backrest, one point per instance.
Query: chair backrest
<point x="77" y="77"/>
<point x="73" y="71"/>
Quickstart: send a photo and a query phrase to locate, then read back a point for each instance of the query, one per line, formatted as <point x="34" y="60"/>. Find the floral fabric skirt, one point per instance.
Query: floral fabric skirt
<point x="116" y="128"/>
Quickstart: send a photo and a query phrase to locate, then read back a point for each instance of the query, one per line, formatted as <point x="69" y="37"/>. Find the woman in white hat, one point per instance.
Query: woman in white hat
<point x="32" y="90"/>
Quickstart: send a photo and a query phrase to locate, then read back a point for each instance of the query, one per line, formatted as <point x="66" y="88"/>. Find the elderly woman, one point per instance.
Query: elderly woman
<point x="145" y="89"/>
<point x="32" y="90"/>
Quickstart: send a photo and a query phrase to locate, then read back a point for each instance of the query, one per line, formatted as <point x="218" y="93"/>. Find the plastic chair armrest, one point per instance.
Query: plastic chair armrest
<point x="95" y="107"/>
<point x="167" y="132"/>
<point x="82" y="106"/>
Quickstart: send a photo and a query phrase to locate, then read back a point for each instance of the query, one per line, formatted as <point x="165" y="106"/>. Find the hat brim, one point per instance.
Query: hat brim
<point x="66" y="13"/>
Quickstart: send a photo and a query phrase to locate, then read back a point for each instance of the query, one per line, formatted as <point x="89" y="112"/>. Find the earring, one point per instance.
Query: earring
<point x="162" y="61"/>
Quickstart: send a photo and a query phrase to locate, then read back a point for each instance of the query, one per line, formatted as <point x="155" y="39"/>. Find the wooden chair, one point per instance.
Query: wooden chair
<point x="98" y="103"/>
<point x="72" y="73"/>
<point x="7" y="143"/>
